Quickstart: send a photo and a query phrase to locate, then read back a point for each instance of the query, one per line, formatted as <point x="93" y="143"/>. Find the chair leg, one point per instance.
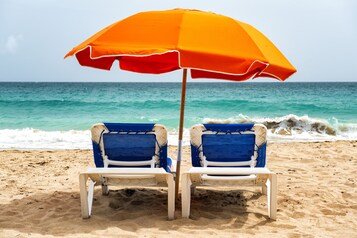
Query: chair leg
<point x="105" y="190"/>
<point x="272" y="196"/>
<point x="264" y="189"/>
<point x="193" y="190"/>
<point x="186" y="195"/>
<point x="84" y="195"/>
<point x="90" y="196"/>
<point x="170" y="197"/>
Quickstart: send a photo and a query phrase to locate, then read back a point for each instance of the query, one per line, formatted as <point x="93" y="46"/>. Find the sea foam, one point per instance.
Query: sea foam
<point x="297" y="128"/>
<point x="289" y="128"/>
<point x="29" y="138"/>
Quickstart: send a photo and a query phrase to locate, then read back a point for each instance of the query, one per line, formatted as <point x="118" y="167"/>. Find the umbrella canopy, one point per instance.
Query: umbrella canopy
<point x="208" y="44"/>
<point x="211" y="45"/>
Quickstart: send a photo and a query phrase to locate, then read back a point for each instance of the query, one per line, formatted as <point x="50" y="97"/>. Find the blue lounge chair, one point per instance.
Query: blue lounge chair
<point x="228" y="155"/>
<point x="128" y="154"/>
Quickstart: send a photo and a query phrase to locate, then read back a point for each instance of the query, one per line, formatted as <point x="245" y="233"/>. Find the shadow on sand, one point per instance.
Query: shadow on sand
<point x="58" y="213"/>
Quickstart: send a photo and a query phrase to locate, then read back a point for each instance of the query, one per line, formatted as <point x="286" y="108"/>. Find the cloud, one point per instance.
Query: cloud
<point x="12" y="43"/>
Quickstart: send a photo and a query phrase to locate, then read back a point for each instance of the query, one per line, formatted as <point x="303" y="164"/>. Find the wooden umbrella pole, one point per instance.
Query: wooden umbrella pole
<point x="179" y="149"/>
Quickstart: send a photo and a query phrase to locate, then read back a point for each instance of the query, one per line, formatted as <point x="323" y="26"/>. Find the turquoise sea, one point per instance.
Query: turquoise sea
<point x="59" y="115"/>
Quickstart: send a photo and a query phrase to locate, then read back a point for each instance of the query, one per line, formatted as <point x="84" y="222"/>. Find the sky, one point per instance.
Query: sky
<point x="318" y="37"/>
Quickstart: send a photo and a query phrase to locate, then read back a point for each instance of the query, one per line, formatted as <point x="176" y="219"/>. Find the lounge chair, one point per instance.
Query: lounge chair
<point x="228" y="155"/>
<point x="131" y="155"/>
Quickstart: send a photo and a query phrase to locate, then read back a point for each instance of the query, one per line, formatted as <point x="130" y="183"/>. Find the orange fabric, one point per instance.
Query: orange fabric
<point x="211" y="45"/>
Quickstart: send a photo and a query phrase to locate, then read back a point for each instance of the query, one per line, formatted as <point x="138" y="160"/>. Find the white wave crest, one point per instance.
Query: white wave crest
<point x="29" y="138"/>
<point x="173" y="137"/>
<point x="297" y="128"/>
<point x="287" y="129"/>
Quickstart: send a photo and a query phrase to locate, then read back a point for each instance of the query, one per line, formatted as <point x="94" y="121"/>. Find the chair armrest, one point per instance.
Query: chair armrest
<point x="125" y="171"/>
<point x="228" y="171"/>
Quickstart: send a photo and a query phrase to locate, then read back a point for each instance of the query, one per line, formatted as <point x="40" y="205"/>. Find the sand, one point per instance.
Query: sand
<point x="317" y="197"/>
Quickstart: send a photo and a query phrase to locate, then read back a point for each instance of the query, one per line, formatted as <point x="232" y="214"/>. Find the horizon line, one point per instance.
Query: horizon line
<point x="217" y="81"/>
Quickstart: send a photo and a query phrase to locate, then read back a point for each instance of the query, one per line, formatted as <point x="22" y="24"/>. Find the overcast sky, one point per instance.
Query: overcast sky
<point x="319" y="37"/>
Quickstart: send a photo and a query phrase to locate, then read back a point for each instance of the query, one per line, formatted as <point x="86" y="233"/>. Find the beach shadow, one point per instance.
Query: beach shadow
<point x="58" y="213"/>
<point x="226" y="205"/>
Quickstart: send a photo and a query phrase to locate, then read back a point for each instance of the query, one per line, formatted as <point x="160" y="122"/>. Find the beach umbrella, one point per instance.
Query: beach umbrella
<point x="209" y="45"/>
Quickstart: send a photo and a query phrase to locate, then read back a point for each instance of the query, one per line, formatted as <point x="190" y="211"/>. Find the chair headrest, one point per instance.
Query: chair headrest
<point x="228" y="127"/>
<point x="127" y="127"/>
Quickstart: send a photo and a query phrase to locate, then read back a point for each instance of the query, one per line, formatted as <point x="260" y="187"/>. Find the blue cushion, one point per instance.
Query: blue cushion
<point x="165" y="162"/>
<point x="228" y="127"/>
<point x="228" y="147"/>
<point x="129" y="127"/>
<point x="261" y="160"/>
<point x="195" y="156"/>
<point x="98" y="160"/>
<point x="129" y="147"/>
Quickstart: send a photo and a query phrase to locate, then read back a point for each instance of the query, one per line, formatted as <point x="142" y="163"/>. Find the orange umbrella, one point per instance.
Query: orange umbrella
<point x="209" y="44"/>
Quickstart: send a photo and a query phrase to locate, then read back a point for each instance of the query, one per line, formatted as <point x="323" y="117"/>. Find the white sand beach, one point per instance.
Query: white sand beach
<point x="317" y="197"/>
<point x="138" y="65"/>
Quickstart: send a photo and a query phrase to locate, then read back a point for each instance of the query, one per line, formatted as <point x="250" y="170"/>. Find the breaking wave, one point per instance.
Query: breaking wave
<point x="297" y="128"/>
<point x="29" y="138"/>
<point x="286" y="129"/>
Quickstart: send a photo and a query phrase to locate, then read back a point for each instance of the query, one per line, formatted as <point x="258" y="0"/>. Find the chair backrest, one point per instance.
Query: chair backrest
<point x="129" y="145"/>
<point x="228" y="145"/>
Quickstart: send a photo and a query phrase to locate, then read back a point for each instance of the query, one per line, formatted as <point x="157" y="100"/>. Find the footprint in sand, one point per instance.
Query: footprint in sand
<point x="297" y="215"/>
<point x="137" y="202"/>
<point x="333" y="212"/>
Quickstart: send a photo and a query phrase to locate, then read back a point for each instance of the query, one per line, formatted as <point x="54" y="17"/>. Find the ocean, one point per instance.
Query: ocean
<point x="59" y="115"/>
